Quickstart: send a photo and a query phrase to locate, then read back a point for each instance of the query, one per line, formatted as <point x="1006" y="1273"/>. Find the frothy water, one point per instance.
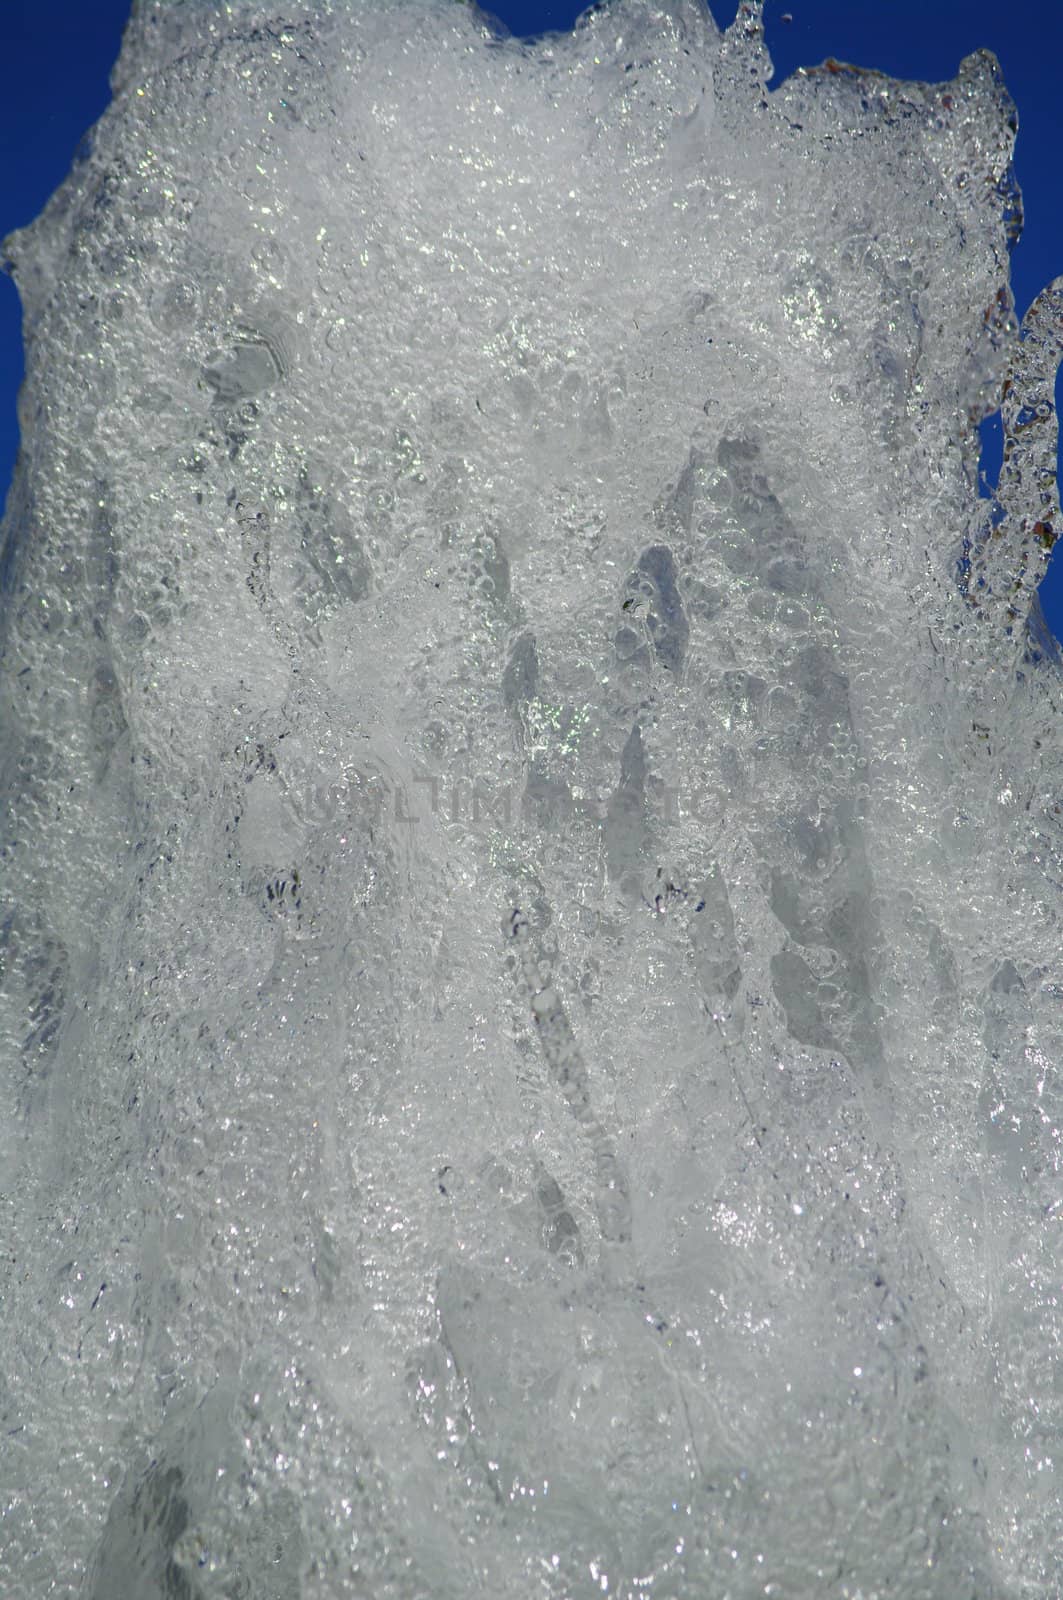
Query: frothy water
<point x="532" y="1002"/>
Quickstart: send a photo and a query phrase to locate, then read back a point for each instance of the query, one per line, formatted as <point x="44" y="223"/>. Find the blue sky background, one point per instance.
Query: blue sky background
<point x="58" y="54"/>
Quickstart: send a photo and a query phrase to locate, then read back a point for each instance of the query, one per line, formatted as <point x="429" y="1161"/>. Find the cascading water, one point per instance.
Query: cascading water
<point x="532" y="1000"/>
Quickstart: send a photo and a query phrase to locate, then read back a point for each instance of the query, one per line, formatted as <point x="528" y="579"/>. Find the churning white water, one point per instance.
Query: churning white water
<point x="532" y="970"/>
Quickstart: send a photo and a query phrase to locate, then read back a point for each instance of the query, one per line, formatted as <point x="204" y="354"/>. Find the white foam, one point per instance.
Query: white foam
<point x="531" y="938"/>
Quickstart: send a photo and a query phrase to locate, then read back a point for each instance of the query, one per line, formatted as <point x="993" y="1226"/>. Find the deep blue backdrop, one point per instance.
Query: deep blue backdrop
<point x="58" y="55"/>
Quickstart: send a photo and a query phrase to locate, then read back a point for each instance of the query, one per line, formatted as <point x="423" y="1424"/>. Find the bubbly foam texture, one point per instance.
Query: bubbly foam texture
<point x="532" y="1004"/>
